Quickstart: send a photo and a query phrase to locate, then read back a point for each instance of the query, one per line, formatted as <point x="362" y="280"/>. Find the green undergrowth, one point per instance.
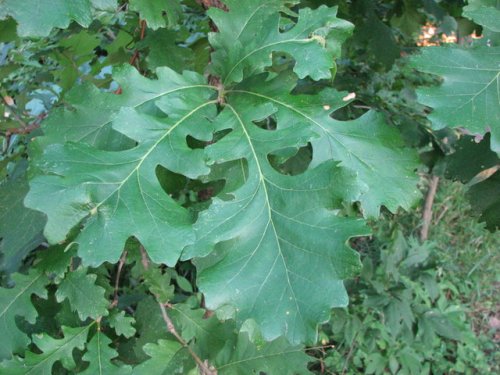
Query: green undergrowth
<point x="419" y="308"/>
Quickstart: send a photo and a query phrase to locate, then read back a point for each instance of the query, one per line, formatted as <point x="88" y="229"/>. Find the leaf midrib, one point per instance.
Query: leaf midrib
<point x="310" y="119"/>
<point x="270" y="222"/>
<point x="152" y="148"/>
<point x="98" y="128"/>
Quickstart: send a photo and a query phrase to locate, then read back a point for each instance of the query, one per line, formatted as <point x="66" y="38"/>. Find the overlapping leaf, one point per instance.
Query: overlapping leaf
<point x="385" y="170"/>
<point x="38" y="17"/>
<point x="20" y="228"/>
<point x="485" y="13"/>
<point x="273" y="247"/>
<point x="115" y="195"/>
<point x="52" y="351"/>
<point x="92" y="111"/>
<point x="278" y="238"/>
<point x="153" y="12"/>
<point x="86" y="298"/>
<point x="469" y="96"/>
<point x="250" y="32"/>
<point x="99" y="355"/>
<point x="14" y="303"/>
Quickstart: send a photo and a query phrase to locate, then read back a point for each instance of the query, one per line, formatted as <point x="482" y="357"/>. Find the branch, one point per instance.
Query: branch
<point x="121" y="263"/>
<point x="203" y="366"/>
<point x="427" y="214"/>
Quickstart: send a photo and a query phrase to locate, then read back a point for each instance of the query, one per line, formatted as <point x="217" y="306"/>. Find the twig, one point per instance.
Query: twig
<point x="121" y="263"/>
<point x="144" y="257"/>
<point x="349" y="353"/>
<point x="203" y="366"/>
<point x="135" y="56"/>
<point x="427" y="214"/>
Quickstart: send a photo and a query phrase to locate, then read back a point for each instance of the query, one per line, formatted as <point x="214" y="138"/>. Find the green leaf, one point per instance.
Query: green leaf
<point x="122" y="324"/>
<point x="20" y="228"/>
<point x="149" y="324"/>
<point x="275" y="357"/>
<point x="485" y="199"/>
<point x="468" y="97"/>
<point x="250" y="32"/>
<point x="160" y="355"/>
<point x="159" y="284"/>
<point x="485" y="13"/>
<point x="116" y="195"/>
<point x="281" y="248"/>
<point x="99" y="354"/>
<point x="36" y="18"/>
<point x="84" y="296"/>
<point x="16" y="302"/>
<point x="164" y="52"/>
<point x="52" y="350"/>
<point x="152" y="12"/>
<point x="92" y="111"/>
<point x="367" y="146"/>
<point x="207" y="335"/>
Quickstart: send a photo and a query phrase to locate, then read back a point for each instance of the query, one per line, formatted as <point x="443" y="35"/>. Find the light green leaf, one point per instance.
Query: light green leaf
<point x="368" y="146"/>
<point x="117" y="194"/>
<point x="469" y="96"/>
<point x="250" y="32"/>
<point x="16" y="302"/>
<point x="485" y="13"/>
<point x="122" y="324"/>
<point x="160" y="355"/>
<point x="105" y="4"/>
<point x="20" y="228"/>
<point x="152" y="12"/>
<point x="164" y="52"/>
<point x="159" y="284"/>
<point x="53" y="350"/>
<point x="275" y="357"/>
<point x="84" y="296"/>
<point x="92" y="111"/>
<point x="36" y="18"/>
<point x="278" y="238"/>
<point x="99" y="354"/>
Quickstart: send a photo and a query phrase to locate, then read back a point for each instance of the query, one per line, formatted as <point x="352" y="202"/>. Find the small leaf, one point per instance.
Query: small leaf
<point x="122" y="324"/>
<point x="152" y="12"/>
<point x="160" y="355"/>
<point x="159" y="284"/>
<point x="16" y="302"/>
<point x="99" y="354"/>
<point x="84" y="296"/>
<point x="52" y="350"/>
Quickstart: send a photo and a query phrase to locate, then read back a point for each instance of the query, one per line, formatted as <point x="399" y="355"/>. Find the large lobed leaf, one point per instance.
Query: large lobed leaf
<point x="250" y="32"/>
<point x="20" y="228"/>
<point x="36" y="18"/>
<point x="273" y="247"/>
<point x="469" y="96"/>
<point x="117" y="194"/>
<point x="15" y="303"/>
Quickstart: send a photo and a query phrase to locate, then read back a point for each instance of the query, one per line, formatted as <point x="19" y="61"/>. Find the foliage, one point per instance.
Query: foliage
<point x="410" y="307"/>
<point x="201" y="189"/>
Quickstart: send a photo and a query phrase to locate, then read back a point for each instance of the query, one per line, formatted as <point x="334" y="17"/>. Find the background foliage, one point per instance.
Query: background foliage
<point x="156" y="221"/>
